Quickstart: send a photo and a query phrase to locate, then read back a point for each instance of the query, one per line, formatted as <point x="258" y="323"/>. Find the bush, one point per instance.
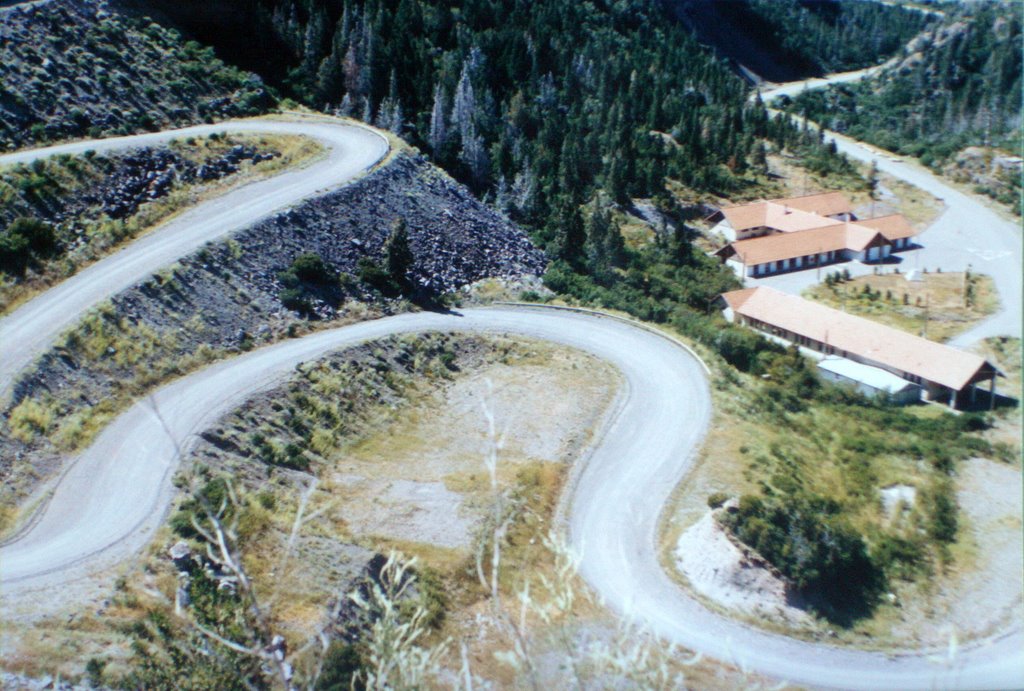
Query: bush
<point x="372" y="274"/>
<point x="307" y="277"/>
<point x="25" y="240"/>
<point x="716" y="499"/>
<point x="308" y="268"/>
<point x="341" y="665"/>
<point x="899" y="557"/>
<point x="741" y="348"/>
<point x="941" y="508"/>
<point x="809" y="542"/>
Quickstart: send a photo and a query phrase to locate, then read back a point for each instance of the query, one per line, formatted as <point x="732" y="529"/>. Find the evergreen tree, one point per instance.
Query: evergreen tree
<point x="438" y="135"/>
<point x="398" y="256"/>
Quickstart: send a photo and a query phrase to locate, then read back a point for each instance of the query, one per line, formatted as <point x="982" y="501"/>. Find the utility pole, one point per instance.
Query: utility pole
<point x="924" y="331"/>
<point x="963" y="290"/>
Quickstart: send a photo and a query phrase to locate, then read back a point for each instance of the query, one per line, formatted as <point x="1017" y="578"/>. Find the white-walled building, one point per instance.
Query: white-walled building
<point x="797" y="233"/>
<point x="944" y="373"/>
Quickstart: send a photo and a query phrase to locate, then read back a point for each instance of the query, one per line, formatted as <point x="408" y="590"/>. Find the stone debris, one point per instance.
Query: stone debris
<point x="63" y="76"/>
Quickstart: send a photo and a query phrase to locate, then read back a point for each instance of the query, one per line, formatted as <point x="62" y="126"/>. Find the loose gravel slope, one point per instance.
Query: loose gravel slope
<point x="29" y="330"/>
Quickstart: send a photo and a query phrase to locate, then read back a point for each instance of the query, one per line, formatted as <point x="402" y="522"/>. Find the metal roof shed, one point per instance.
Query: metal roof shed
<point x="870" y="381"/>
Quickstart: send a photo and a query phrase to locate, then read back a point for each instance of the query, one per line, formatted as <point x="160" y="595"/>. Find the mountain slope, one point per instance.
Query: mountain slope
<point x="787" y="40"/>
<point x="959" y="86"/>
<point x="83" y="67"/>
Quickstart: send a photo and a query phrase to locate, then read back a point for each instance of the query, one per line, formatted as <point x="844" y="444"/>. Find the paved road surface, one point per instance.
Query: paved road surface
<point x="968" y="233"/>
<point x="30" y="329"/>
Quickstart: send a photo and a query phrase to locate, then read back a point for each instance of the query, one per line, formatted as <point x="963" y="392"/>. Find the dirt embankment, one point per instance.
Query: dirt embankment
<point x="732" y="576"/>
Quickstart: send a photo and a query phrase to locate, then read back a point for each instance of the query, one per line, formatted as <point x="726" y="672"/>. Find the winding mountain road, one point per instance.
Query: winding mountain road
<point x="113" y="497"/>
<point x="31" y="328"/>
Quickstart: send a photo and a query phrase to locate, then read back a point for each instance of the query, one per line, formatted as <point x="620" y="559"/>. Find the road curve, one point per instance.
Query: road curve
<point x="969" y="233"/>
<point x="116" y="493"/>
<point x="31" y="328"/>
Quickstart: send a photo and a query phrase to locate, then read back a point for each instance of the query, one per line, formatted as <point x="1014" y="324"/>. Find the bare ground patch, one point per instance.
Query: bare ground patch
<point x="422" y="478"/>
<point x="734" y="578"/>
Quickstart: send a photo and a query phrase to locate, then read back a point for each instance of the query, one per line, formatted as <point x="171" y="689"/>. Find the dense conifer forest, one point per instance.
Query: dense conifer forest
<point x="786" y="40"/>
<point x="552" y="111"/>
<point x="838" y="36"/>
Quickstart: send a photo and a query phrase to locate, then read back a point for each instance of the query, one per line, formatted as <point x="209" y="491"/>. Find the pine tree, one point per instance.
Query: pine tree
<point x="569" y="232"/>
<point x="464" y="105"/>
<point x="398" y="256"/>
<point x="474" y="156"/>
<point x="524" y="192"/>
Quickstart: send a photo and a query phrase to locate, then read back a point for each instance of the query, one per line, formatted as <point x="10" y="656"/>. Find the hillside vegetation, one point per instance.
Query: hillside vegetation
<point x="960" y="86"/>
<point x="786" y="40"/>
<point x="560" y="114"/>
<point x="76" y="69"/>
<point x="60" y="214"/>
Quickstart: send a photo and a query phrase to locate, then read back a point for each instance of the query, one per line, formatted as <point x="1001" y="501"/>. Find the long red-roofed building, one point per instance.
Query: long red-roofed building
<point x="944" y="373"/>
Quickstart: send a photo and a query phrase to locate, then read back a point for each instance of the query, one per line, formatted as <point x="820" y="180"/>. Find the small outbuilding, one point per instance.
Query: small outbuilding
<point x="868" y="380"/>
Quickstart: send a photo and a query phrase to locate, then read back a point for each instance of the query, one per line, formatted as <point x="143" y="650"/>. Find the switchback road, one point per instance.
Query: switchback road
<point x="116" y="494"/>
<point x="30" y="329"/>
<point x="113" y="497"/>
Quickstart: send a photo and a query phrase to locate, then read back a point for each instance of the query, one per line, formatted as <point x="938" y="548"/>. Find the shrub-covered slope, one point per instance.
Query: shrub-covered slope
<point x="73" y="68"/>
<point x="959" y="86"/>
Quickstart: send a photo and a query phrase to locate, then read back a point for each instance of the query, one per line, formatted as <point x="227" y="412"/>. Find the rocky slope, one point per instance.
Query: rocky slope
<point x="73" y="68"/>
<point x="227" y="297"/>
<point x="115" y="185"/>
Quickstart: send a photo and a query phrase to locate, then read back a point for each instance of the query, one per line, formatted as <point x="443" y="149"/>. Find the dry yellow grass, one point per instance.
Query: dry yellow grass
<point x="104" y="238"/>
<point x="935" y="307"/>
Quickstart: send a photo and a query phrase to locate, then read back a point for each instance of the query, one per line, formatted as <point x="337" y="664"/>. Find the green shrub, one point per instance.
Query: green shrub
<point x="899" y="557"/>
<point x="806" y="538"/>
<point x="307" y="277"/>
<point x="341" y="667"/>
<point x="308" y="268"/>
<point x="372" y="274"/>
<point x="716" y="499"/>
<point x="25" y="240"/>
<point x="941" y="508"/>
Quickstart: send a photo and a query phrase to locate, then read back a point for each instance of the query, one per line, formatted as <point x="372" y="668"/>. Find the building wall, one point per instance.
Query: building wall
<point x="932" y="390"/>
<point x="905" y="396"/>
<point x="725" y="230"/>
<point x="806" y="262"/>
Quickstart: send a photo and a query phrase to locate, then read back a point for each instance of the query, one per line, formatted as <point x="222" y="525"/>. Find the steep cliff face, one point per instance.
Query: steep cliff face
<point x="73" y="68"/>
